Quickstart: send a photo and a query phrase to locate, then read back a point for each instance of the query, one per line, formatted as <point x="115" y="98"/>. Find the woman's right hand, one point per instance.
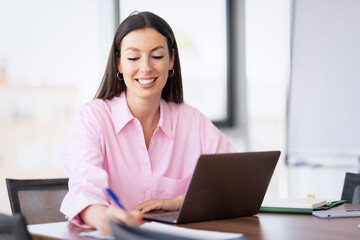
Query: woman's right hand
<point x="99" y="216"/>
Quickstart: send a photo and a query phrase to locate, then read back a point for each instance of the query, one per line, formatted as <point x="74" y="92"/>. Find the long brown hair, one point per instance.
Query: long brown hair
<point x="110" y="86"/>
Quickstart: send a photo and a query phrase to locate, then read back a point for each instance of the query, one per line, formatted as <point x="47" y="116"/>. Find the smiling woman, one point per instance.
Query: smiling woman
<point x="137" y="137"/>
<point x="109" y="88"/>
<point x="145" y="64"/>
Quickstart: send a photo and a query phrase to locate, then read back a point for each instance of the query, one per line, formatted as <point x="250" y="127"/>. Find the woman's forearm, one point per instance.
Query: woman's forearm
<point x="94" y="215"/>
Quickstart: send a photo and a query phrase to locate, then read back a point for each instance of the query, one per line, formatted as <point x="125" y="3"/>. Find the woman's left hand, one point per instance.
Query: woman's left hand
<point x="171" y="204"/>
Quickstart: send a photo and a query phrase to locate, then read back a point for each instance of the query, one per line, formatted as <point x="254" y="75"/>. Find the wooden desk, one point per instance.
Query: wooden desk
<point x="275" y="226"/>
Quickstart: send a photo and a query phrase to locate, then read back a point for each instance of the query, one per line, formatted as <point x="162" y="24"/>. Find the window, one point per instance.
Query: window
<point x="200" y="28"/>
<point x="52" y="58"/>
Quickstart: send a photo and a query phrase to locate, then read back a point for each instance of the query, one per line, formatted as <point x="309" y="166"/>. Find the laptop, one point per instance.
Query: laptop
<point x="226" y="185"/>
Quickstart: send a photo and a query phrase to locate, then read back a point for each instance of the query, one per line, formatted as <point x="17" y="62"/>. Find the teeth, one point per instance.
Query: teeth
<point x="146" y="81"/>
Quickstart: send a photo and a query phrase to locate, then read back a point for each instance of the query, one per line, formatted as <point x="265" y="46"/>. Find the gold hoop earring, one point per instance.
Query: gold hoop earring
<point x="172" y="73"/>
<point x="118" y="76"/>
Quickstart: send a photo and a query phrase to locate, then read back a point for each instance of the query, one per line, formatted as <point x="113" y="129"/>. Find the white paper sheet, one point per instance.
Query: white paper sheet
<point x="60" y="230"/>
<point x="191" y="233"/>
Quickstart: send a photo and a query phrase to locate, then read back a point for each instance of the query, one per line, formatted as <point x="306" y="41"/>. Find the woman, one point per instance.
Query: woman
<point x="137" y="137"/>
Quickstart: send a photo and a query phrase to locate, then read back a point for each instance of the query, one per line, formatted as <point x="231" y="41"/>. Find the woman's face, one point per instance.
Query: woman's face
<point x="144" y="63"/>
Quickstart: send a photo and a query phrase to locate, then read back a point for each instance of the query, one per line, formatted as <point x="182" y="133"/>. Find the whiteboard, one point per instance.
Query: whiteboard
<point x="324" y="93"/>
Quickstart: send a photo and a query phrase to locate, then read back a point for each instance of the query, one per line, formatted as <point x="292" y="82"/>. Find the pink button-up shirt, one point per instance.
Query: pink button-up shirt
<point x="106" y="148"/>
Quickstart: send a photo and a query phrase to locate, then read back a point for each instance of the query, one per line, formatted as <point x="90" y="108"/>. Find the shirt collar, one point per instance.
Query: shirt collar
<point x="165" y="118"/>
<point x="121" y="114"/>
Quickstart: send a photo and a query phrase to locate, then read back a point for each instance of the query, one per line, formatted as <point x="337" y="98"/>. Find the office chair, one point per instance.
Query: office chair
<point x="38" y="200"/>
<point x="13" y="227"/>
<point x="351" y="189"/>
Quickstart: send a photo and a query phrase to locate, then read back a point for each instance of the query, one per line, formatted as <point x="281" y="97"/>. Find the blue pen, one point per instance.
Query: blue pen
<point x="116" y="200"/>
<point x="114" y="197"/>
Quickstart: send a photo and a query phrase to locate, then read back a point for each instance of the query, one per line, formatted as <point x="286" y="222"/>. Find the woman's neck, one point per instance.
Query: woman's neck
<point x="147" y="111"/>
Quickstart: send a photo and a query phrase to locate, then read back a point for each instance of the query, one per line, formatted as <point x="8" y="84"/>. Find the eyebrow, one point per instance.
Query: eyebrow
<point x="138" y="50"/>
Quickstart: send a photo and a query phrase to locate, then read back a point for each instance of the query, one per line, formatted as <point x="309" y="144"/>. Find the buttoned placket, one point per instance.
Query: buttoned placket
<point x="147" y="173"/>
<point x="145" y="166"/>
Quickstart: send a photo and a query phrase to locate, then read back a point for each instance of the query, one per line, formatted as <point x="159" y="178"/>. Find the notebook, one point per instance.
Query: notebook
<point x="223" y="186"/>
<point x="291" y="205"/>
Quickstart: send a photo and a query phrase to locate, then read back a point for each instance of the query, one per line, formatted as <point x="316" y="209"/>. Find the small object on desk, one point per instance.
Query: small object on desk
<point x="311" y="196"/>
<point x="291" y="205"/>
<point x="329" y="205"/>
<point x="337" y="213"/>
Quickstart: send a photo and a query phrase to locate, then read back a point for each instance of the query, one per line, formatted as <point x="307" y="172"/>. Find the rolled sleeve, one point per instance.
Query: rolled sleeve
<point x="83" y="160"/>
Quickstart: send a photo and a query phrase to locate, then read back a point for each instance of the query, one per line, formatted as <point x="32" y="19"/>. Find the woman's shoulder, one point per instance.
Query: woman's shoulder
<point x="184" y="110"/>
<point x="182" y="107"/>
<point x="94" y="105"/>
<point x="95" y="108"/>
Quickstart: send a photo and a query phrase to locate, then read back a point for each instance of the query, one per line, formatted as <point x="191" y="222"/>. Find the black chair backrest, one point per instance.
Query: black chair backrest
<point x="38" y="200"/>
<point x="351" y="189"/>
<point x="13" y="227"/>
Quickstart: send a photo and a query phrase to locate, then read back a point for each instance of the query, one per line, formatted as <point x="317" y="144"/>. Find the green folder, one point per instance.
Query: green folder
<point x="286" y="210"/>
<point x="300" y="210"/>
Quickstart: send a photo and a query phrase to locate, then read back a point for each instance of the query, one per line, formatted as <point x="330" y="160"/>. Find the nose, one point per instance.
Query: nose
<point x="145" y="66"/>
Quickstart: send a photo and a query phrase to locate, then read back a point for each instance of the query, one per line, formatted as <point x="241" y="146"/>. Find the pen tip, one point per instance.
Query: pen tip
<point x="139" y="220"/>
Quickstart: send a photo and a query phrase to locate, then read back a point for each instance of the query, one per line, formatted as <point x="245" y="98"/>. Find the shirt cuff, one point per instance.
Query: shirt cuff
<point x="73" y="205"/>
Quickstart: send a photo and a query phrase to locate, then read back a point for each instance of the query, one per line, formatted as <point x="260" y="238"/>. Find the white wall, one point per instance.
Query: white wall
<point x="261" y="72"/>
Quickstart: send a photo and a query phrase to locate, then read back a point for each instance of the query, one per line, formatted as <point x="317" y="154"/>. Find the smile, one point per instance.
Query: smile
<point x="146" y="81"/>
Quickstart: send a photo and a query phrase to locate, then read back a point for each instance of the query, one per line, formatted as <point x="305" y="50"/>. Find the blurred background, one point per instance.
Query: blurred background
<point x="236" y="59"/>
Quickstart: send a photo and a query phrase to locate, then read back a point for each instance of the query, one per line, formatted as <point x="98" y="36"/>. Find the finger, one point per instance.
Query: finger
<point x="139" y="207"/>
<point x="142" y="205"/>
<point x="155" y="205"/>
<point x="138" y="216"/>
<point x="120" y="216"/>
